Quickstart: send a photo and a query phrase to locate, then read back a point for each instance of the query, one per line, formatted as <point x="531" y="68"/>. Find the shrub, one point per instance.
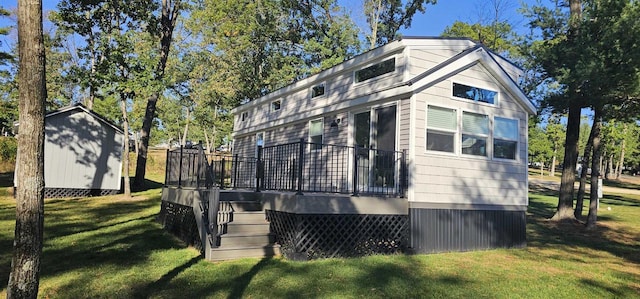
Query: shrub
<point x="8" y="149"/>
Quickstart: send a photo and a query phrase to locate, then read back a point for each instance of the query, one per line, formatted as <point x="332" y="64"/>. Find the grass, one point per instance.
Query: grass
<point x="110" y="247"/>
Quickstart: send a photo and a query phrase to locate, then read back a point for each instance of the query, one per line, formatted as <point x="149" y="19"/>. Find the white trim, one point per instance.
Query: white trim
<point x="517" y="140"/>
<point x="323" y="95"/>
<point x="321" y="119"/>
<point x="487" y="136"/>
<point x="455" y="132"/>
<point x="272" y="107"/>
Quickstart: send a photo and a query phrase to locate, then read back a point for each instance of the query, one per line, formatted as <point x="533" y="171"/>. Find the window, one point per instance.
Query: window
<point x="275" y="105"/>
<point x="376" y="70"/>
<point x="474" y="93"/>
<point x="475" y="130"/>
<point x="315" y="133"/>
<point x="317" y="90"/>
<point x="441" y="129"/>
<point x="259" y="141"/>
<point x="505" y="138"/>
<point x="244" y="116"/>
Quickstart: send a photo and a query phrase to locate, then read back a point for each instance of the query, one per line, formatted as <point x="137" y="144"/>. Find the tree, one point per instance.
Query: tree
<point x="596" y="64"/>
<point x="558" y="45"/>
<point x="4" y="56"/>
<point x="497" y="37"/>
<point x="27" y="248"/>
<point x="170" y="10"/>
<point x="385" y="17"/>
<point x="554" y="131"/>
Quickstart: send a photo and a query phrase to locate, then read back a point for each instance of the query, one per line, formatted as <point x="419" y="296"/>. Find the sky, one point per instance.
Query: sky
<point x="431" y="23"/>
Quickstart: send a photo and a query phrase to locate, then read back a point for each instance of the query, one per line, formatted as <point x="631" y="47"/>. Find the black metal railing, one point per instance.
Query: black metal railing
<point x="187" y="167"/>
<point x="310" y="167"/>
<point x="299" y="167"/>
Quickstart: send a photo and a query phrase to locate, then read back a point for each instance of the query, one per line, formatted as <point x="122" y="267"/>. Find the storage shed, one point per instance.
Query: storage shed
<point x="83" y="154"/>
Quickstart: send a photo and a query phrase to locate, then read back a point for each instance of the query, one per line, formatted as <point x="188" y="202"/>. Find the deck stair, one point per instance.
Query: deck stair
<point x="243" y="232"/>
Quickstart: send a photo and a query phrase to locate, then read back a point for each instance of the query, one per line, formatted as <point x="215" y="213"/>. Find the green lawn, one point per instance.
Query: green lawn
<point x="107" y="247"/>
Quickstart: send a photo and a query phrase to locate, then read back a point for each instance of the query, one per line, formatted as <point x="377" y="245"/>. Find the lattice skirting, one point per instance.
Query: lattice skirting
<point x="310" y="236"/>
<point x="76" y="192"/>
<point x="180" y="221"/>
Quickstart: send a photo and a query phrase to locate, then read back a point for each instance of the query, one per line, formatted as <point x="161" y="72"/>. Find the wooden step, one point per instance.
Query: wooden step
<point x="242" y="206"/>
<point x="249" y="217"/>
<point x="237" y="227"/>
<point x="234" y="240"/>
<point x="229" y="253"/>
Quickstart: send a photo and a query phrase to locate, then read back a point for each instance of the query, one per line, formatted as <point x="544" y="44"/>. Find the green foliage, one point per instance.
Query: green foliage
<point x="596" y="63"/>
<point x="4" y="31"/>
<point x="498" y="37"/>
<point x="8" y="149"/>
<point x="386" y="17"/>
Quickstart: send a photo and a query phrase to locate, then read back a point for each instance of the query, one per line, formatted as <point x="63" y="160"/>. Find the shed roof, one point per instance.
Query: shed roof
<point x="82" y="108"/>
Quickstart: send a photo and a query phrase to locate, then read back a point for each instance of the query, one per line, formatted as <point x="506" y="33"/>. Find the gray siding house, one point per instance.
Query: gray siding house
<point x="82" y="154"/>
<point x="449" y="110"/>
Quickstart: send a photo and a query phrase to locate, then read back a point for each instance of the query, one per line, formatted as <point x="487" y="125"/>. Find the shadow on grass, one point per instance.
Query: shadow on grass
<point x="542" y="232"/>
<point x="148" y="185"/>
<point x="620" y="200"/>
<point x="621" y="184"/>
<point x="377" y="277"/>
<point x="147" y="290"/>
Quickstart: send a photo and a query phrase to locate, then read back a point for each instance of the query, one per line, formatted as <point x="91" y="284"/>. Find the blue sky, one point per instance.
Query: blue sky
<point x="431" y="23"/>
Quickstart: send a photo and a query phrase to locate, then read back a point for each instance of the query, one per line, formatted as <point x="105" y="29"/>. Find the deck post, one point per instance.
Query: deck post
<point x="259" y="170"/>
<point x="198" y="169"/>
<point x="221" y="173"/>
<point x="403" y="173"/>
<point x="180" y="170"/>
<point x="300" y="165"/>
<point x="167" y="169"/>
<point x="355" y="170"/>
<point x="234" y="163"/>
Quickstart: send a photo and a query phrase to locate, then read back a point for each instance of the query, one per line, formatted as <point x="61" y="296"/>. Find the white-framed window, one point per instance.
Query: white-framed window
<point x="442" y="124"/>
<point x="276" y="105"/>
<point x="244" y="116"/>
<point x="316" y="130"/>
<point x="317" y="90"/>
<point x="475" y="132"/>
<point x="378" y="69"/>
<point x="505" y="138"/>
<point x="473" y="93"/>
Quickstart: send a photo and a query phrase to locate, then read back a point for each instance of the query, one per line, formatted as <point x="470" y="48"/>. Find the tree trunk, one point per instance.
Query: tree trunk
<point x="565" y="200"/>
<point x="583" y="175"/>
<point x="553" y="163"/>
<point x="125" y="156"/>
<point x="624" y="144"/>
<point x="595" y="171"/>
<point x="136" y="143"/>
<point x="170" y="12"/>
<point x="24" y="278"/>
<point x="186" y="128"/>
<point x="609" y="166"/>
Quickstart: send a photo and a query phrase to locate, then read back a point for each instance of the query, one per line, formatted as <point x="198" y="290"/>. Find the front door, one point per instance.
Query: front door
<point x="375" y="143"/>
